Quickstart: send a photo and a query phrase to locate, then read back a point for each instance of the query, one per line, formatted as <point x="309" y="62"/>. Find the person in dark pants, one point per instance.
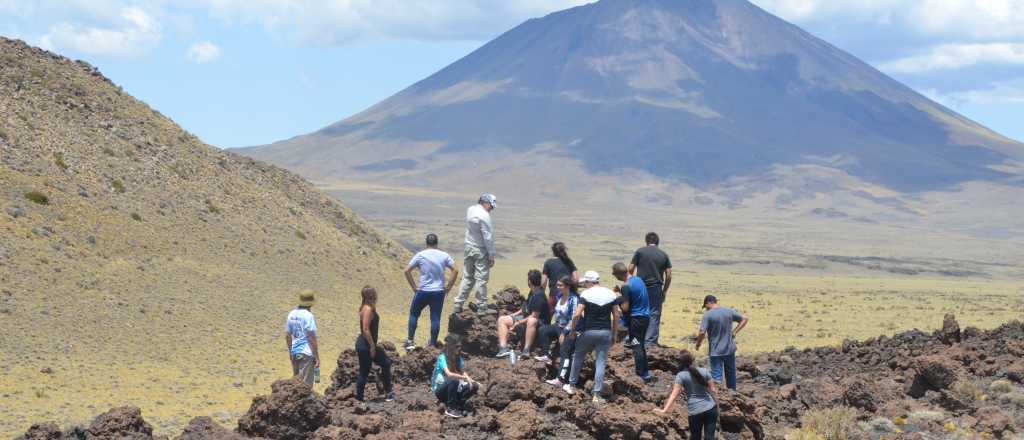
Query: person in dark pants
<point x="653" y="266"/>
<point x="366" y="346"/>
<point x="700" y="398"/>
<point x="450" y="383"/>
<point x="431" y="263"/>
<point x="555" y="269"/>
<point x="568" y="299"/>
<point x="635" y="306"/>
<point x="716" y="326"/>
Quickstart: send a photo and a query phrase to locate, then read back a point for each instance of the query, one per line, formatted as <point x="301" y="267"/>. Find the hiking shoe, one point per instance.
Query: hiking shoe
<point x="453" y="413"/>
<point x="556" y="382"/>
<point x="598" y="400"/>
<point x="545" y="359"/>
<point x="504" y="352"/>
<point x="409" y="345"/>
<point x="390" y="397"/>
<point x="630" y="343"/>
<point x="568" y="389"/>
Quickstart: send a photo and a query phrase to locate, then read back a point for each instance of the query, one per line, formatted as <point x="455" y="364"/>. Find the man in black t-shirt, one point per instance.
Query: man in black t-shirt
<point x="533" y="314"/>
<point x="653" y="266"/>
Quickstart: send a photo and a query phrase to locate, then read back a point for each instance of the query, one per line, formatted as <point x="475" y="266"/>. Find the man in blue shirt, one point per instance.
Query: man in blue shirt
<point x="431" y="263"/>
<point x="635" y="305"/>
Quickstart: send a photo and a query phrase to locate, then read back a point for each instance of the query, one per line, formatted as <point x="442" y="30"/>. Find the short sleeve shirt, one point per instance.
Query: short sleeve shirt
<point x="298" y="323"/>
<point x="651" y="263"/>
<point x="698" y="398"/>
<point x="598" y="303"/>
<point x="538" y="302"/>
<point x="717" y="324"/>
<point x="555" y="269"/>
<point x="432" y="263"/>
<point x="438" y="378"/>
<point x="636" y="292"/>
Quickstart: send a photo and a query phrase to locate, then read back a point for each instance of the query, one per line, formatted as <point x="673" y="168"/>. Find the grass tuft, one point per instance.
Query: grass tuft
<point x="830" y="423"/>
<point x="1001" y="386"/>
<point x="136" y="217"/>
<point x="58" y="158"/>
<point x="212" y="207"/>
<point x="803" y="434"/>
<point x="4" y="135"/>
<point x="118" y="186"/>
<point x="300" y="234"/>
<point x="37" y="197"/>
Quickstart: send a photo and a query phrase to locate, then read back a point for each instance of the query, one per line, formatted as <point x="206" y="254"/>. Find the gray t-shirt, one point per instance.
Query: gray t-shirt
<point x="432" y="263"/>
<point x="717" y="323"/>
<point x="698" y="398"/>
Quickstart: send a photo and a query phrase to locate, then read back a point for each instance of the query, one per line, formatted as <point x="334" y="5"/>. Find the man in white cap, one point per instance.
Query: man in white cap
<point x="599" y="310"/>
<point x="300" y="333"/>
<point x="479" y="257"/>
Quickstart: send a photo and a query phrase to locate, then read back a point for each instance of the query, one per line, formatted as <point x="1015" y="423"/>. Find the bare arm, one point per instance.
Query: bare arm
<point x="615" y="323"/>
<point x="700" y="340"/>
<point x="311" y="337"/>
<point x="575" y="319"/>
<point x="676" y="390"/>
<point x="453" y="275"/>
<point x="288" y="338"/>
<point x="743" y="323"/>
<point x="632" y="269"/>
<point x="366" y="315"/>
<point x="451" y="374"/>
<point x="408" y="277"/>
<point x="714" y="391"/>
<point x="668" y="281"/>
<point x="544" y="280"/>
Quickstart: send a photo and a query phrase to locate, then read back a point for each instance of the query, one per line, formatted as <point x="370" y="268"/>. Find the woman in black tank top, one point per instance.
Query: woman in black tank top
<point x="366" y="346"/>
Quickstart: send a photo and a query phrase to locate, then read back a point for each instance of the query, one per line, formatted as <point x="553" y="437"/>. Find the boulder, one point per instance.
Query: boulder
<point x="121" y="423"/>
<point x="42" y="431"/>
<point x="204" y="428"/>
<point x="933" y="373"/>
<point x="291" y="412"/>
<point x="950" y="332"/>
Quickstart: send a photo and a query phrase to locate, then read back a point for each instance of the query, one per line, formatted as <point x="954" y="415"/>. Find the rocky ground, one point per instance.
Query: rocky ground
<point x="952" y="383"/>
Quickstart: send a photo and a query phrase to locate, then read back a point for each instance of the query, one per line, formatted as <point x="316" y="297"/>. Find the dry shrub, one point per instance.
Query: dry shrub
<point x="830" y="423"/>
<point x="1001" y="386"/>
<point x="803" y="434"/>
<point x="1015" y="397"/>
<point x="967" y="390"/>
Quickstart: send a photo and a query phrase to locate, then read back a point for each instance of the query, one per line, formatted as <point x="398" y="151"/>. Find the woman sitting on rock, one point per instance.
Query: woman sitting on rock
<point x="366" y="346"/>
<point x="450" y="383"/>
<point x="700" y="400"/>
<point x="568" y="299"/>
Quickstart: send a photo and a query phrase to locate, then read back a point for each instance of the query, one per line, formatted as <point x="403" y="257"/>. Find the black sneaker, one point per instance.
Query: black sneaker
<point x="409" y="345"/>
<point x="630" y="343"/>
<point x="452" y="412"/>
<point x="390" y="397"/>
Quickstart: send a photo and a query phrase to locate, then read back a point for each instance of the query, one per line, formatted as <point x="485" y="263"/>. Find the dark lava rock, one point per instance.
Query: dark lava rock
<point x="291" y="412"/>
<point x="204" y="428"/>
<point x="950" y="332"/>
<point x="121" y="423"/>
<point x="933" y="373"/>
<point x="42" y="431"/>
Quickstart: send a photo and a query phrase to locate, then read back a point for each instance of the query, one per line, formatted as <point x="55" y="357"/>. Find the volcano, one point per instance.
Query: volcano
<point x="690" y="91"/>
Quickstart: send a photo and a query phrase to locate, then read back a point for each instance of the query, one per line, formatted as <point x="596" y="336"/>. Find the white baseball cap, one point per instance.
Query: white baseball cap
<point x="591" y="276"/>
<point x="489" y="198"/>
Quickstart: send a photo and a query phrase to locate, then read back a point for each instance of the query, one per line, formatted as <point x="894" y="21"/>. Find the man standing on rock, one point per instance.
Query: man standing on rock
<point x="716" y="326"/>
<point x="636" y="312"/>
<point x="653" y="266"/>
<point x="479" y="257"/>
<point x="300" y="332"/>
<point x="431" y="262"/>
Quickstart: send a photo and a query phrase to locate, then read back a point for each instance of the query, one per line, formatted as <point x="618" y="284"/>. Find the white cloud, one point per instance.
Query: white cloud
<point x="955" y="56"/>
<point x="132" y="34"/>
<point x="203" y="52"/>
<point x="1000" y="92"/>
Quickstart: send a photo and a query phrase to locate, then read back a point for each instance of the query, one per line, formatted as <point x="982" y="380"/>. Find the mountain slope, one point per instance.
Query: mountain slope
<point x="155" y="261"/>
<point x="693" y="91"/>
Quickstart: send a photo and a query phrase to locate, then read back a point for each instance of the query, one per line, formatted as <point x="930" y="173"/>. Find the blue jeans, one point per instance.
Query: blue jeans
<point x="656" y="299"/>
<point x="592" y="341"/>
<point x="727" y="363"/>
<point x="423" y="299"/>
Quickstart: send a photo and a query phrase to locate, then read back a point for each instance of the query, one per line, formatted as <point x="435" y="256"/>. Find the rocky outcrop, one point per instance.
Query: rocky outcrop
<point x="292" y="411"/>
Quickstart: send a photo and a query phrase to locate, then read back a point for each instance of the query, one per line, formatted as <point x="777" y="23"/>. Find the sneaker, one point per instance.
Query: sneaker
<point x="556" y="382"/>
<point x="524" y="355"/>
<point x="648" y="379"/>
<point x="545" y="359"/>
<point x="390" y="397"/>
<point x="452" y="412"/>
<point x="409" y="345"/>
<point x="568" y="389"/>
<point x="630" y="343"/>
<point x="503" y="352"/>
<point x="598" y="400"/>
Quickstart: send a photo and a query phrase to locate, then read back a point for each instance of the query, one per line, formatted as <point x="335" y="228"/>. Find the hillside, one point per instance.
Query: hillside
<point x="706" y="93"/>
<point x="139" y="264"/>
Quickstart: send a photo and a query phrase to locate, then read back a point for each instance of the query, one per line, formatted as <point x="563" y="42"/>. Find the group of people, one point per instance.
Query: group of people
<point x="576" y="310"/>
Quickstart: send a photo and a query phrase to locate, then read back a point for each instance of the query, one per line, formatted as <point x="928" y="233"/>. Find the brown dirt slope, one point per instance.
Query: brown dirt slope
<point x="131" y="251"/>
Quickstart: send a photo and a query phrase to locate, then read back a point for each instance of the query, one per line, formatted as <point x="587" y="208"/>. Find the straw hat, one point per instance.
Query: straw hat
<point x="307" y="298"/>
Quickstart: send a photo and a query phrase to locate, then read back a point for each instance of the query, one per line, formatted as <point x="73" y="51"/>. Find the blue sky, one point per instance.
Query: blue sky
<point x="249" y="72"/>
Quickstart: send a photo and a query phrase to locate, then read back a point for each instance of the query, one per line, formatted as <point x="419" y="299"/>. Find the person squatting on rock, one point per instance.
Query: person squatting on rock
<point x="555" y="269"/>
<point x="431" y="262"/>
<point x="716" y="326"/>
<point x="366" y="346"/>
<point x="636" y="314"/>
<point x="300" y="333"/>
<point x="533" y="314"/>
<point x="700" y="398"/>
<point x="568" y="299"/>
<point x="653" y="266"/>
<point x="480" y="252"/>
<point x="450" y="383"/>
<point x="599" y="311"/>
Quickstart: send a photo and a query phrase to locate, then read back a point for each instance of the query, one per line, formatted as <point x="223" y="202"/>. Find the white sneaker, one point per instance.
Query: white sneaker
<point x="568" y="389"/>
<point x="556" y="382"/>
<point x="598" y="400"/>
<point x="546" y="360"/>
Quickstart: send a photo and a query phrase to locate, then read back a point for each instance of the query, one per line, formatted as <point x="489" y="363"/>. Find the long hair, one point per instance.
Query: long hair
<point x="562" y="253"/>
<point x="570" y="283"/>
<point x="369" y="297"/>
<point x="453" y="351"/>
<point x="686" y="363"/>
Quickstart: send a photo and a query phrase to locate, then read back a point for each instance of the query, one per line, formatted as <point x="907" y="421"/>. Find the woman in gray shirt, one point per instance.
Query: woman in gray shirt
<point x="700" y="401"/>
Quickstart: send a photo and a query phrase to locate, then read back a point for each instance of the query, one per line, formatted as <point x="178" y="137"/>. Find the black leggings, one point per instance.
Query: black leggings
<point x="546" y="335"/>
<point x="565" y="353"/>
<point x="455" y="392"/>
<point x="705" y="423"/>
<point x="365" y="363"/>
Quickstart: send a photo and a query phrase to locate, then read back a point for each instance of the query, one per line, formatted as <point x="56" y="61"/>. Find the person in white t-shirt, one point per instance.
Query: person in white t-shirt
<point x="432" y="263"/>
<point x="300" y="332"/>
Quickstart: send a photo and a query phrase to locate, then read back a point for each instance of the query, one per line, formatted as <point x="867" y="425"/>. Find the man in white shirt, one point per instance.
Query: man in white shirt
<point x="479" y="259"/>
<point x="431" y="262"/>
<point x="300" y="333"/>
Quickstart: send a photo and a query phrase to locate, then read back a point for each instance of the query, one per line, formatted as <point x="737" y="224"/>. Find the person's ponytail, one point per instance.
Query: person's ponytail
<point x="562" y="253"/>
<point x="686" y="363"/>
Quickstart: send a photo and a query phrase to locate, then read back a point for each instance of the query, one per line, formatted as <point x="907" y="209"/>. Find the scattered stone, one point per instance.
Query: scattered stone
<point x="14" y="211"/>
<point x="950" y="332"/>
